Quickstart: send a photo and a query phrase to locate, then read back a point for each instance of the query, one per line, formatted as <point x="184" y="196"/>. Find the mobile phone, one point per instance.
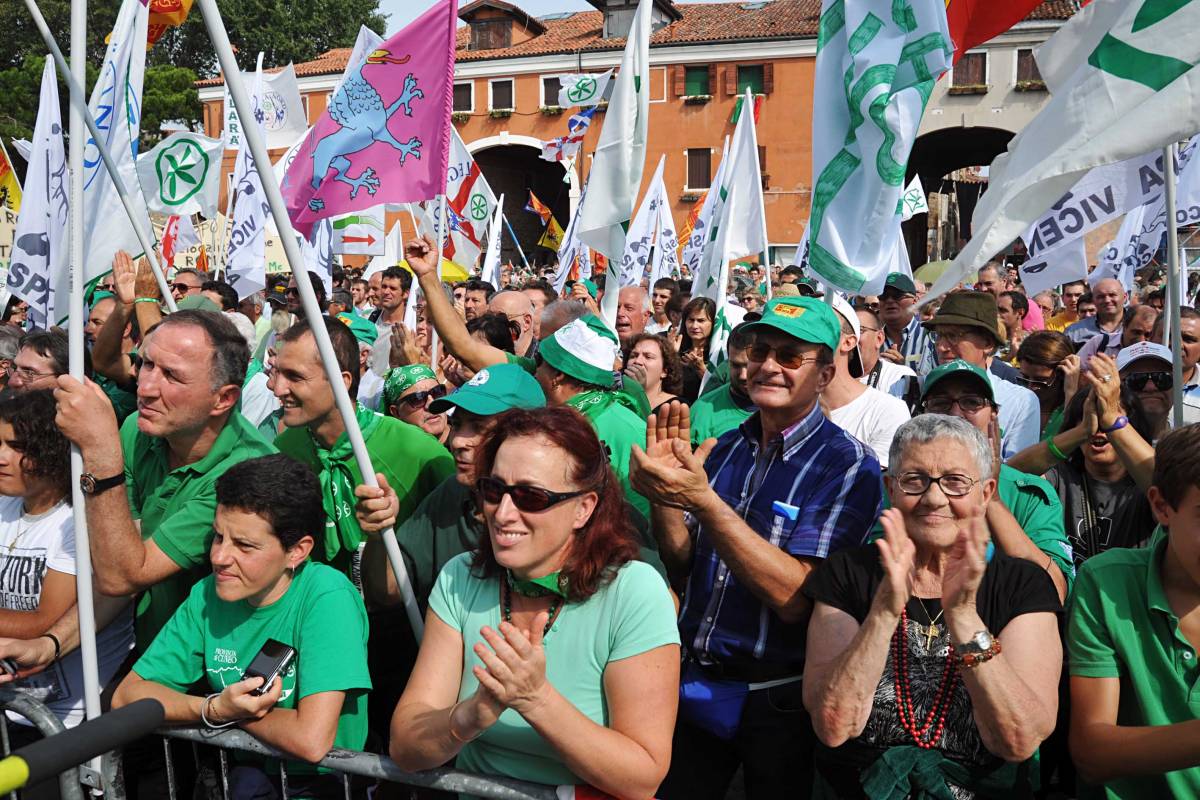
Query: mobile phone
<point x="269" y="664"/>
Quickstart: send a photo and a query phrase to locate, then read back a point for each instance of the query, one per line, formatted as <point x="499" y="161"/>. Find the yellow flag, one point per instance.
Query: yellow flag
<point x="553" y="236"/>
<point x="10" y="188"/>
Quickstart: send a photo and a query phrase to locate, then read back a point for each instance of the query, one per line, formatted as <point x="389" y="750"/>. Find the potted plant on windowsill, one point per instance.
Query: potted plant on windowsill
<point x="550" y="111"/>
<point x="500" y="113"/>
<point x="459" y="117"/>
<point x="968" y="88"/>
<point x="690" y="195"/>
<point x="1031" y="85"/>
<point x="696" y="99"/>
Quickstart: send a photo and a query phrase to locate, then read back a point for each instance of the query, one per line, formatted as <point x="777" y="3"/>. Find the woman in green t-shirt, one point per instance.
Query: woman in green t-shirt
<point x="264" y="587"/>
<point x="550" y="654"/>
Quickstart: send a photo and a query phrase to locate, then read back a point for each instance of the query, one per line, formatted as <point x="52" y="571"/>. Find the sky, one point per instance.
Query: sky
<point x="401" y="12"/>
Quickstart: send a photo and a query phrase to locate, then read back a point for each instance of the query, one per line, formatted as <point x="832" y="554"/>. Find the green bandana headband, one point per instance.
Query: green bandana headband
<point x="401" y="379"/>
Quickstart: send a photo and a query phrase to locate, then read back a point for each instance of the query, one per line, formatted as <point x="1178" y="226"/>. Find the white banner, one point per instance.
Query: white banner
<point x="693" y="248"/>
<point x="666" y="246"/>
<point x="245" y="267"/>
<point x="1055" y="267"/>
<point x="582" y="90"/>
<point x="913" y="200"/>
<point x="283" y="116"/>
<point x="360" y="233"/>
<point x="182" y="175"/>
<point x="491" y="261"/>
<point x="640" y="236"/>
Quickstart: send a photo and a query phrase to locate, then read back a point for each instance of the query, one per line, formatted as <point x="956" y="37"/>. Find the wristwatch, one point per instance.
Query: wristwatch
<point x="90" y="484"/>
<point x="979" y="648"/>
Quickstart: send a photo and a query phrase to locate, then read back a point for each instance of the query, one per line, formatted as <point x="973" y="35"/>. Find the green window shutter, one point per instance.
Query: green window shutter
<point x="696" y="81"/>
<point x="750" y="77"/>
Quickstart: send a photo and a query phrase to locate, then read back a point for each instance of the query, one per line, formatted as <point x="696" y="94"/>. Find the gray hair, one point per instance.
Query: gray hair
<point x="561" y="313"/>
<point x="926" y="428"/>
<point x="10" y="338"/>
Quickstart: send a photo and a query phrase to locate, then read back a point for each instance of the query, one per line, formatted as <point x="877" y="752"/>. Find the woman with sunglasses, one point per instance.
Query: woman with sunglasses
<point x="1050" y="369"/>
<point x="550" y="654"/>
<point x="407" y="393"/>
<point x="694" y="336"/>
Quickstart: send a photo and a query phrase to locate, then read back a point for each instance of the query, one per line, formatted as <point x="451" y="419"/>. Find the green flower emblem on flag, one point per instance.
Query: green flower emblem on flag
<point x="180" y="169"/>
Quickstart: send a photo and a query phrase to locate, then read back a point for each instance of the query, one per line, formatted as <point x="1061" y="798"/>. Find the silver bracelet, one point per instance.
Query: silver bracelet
<point x="204" y="716"/>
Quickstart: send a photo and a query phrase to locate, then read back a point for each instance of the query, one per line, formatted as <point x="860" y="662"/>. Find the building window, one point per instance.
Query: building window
<point x="501" y="95"/>
<point x="550" y="88"/>
<point x="1027" y="68"/>
<point x="699" y="171"/>
<point x="750" y="76"/>
<point x="491" y="34"/>
<point x="464" y="96"/>
<point x="971" y="70"/>
<point x="695" y="81"/>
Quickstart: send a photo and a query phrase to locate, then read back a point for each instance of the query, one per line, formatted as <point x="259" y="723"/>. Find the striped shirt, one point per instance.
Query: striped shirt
<point x="811" y="491"/>
<point x="915" y="345"/>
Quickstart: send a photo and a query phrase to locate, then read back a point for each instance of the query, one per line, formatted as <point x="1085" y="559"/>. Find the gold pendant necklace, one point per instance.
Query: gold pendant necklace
<point x="933" y="630"/>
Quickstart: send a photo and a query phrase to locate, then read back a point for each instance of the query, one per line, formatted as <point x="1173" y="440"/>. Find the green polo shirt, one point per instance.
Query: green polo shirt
<point x="718" y="411"/>
<point x="618" y="429"/>
<point x="1121" y="626"/>
<point x="176" y="509"/>
<point x="1036" y="507"/>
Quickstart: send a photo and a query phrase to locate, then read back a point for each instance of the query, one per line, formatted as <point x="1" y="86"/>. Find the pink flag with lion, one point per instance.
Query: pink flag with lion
<point x="385" y="137"/>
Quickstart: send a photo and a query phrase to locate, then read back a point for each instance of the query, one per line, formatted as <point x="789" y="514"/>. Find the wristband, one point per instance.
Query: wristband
<point x="1054" y="451"/>
<point x="146" y="300"/>
<point x="1118" y="423"/>
<point x="57" y="644"/>
<point x="204" y="713"/>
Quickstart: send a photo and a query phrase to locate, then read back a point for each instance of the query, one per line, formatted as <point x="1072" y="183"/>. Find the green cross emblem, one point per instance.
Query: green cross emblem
<point x="479" y="207"/>
<point x="180" y="169"/>
<point x="583" y="89"/>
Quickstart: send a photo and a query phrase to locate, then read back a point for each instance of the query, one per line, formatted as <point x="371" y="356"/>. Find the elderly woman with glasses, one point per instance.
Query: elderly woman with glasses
<point x="550" y="654"/>
<point x="931" y="671"/>
<point x="407" y="393"/>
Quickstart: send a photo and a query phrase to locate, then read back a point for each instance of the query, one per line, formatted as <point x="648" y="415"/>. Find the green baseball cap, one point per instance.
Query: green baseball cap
<point x="494" y="389"/>
<point x="805" y="318"/>
<point x="400" y="379"/>
<point x="363" y="329"/>
<point x="901" y="282"/>
<point x="958" y="367"/>
<point x="197" y="302"/>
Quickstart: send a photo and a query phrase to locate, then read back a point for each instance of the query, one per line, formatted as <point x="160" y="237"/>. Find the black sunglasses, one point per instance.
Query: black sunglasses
<point x="1036" y="384"/>
<point x="525" y="498"/>
<point x="183" y="287"/>
<point x="788" y="356"/>
<point x="1138" y="380"/>
<point x="418" y="399"/>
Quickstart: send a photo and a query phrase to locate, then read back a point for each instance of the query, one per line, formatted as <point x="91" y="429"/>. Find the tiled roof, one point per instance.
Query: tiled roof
<point x="702" y="22"/>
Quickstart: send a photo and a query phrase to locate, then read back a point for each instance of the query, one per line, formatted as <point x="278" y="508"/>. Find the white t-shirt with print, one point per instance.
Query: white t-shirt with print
<point x="31" y="544"/>
<point x="872" y="418"/>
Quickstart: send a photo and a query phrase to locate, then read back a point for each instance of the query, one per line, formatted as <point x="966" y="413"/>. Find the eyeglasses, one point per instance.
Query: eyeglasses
<point x="952" y="485"/>
<point x="1138" y="380"/>
<point x="951" y="338"/>
<point x="1036" y="384"/>
<point x="788" y="356"/>
<point x="525" y="498"/>
<point x="26" y="374"/>
<point x="895" y="294"/>
<point x="969" y="403"/>
<point x="292" y="292"/>
<point x="867" y="306"/>
<point x="418" y="399"/>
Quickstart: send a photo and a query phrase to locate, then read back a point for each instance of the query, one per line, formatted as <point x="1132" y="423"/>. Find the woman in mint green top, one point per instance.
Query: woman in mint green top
<point x="264" y="587"/>
<point x="550" y="655"/>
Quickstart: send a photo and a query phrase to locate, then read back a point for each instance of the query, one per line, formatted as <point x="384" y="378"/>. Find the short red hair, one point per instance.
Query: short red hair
<point x="608" y="540"/>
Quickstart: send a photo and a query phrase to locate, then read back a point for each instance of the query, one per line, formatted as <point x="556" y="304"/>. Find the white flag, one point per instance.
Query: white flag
<point x="913" y="199"/>
<point x="318" y="254"/>
<point x="186" y="236"/>
<point x="182" y="175"/>
<point x="470" y="203"/>
<point x="693" y="248"/>
<point x="875" y="70"/>
<point x="106" y="227"/>
<point x="738" y="230"/>
<point x="366" y="42"/>
<point x="1130" y="251"/>
<point x="571" y="248"/>
<point x="582" y="90"/>
<point x="393" y="251"/>
<point x="616" y="172"/>
<point x="491" y="261"/>
<point x="39" y="252"/>
<point x="359" y="233"/>
<point x="640" y="237"/>
<point x="245" y="260"/>
<point x="1063" y="264"/>
<point x="1123" y="84"/>
<point x="666" y="245"/>
<point x="281" y="110"/>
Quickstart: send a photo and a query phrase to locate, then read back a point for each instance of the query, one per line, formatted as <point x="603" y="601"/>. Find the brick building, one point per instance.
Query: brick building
<point x="702" y="57"/>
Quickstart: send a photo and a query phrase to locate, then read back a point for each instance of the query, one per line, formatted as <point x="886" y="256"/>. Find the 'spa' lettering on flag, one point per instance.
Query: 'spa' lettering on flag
<point x="385" y="137"/>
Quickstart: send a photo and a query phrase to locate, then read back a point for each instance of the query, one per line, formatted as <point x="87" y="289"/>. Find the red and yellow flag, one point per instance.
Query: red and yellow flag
<point x="690" y="224"/>
<point x="165" y="14"/>
<point x="10" y="187"/>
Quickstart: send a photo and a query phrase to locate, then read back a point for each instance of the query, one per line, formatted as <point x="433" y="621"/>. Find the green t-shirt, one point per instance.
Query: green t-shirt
<point x="1121" y="626"/>
<point x="717" y="412"/>
<point x="124" y="403"/>
<point x="1053" y="424"/>
<point x="629" y="616"/>
<point x="413" y="462"/>
<point x="444" y="526"/>
<point x="1036" y="507"/>
<point x="176" y="508"/>
<point x="525" y="363"/>
<point x="619" y="429"/>
<point x="320" y="615"/>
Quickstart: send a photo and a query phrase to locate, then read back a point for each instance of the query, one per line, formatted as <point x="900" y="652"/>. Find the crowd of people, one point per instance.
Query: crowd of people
<point x="856" y="547"/>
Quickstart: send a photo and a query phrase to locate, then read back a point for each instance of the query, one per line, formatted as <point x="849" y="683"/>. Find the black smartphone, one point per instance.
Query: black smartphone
<point x="270" y="663"/>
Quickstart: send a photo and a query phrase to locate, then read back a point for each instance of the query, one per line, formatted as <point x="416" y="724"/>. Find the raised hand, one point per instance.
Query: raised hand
<point x="1105" y="380"/>
<point x="965" y="566"/>
<point x="124" y="278"/>
<point x="145" y="284"/>
<point x="668" y="471"/>
<point x="514" y="670"/>
<point x="421" y="256"/>
<point x="1070" y="369"/>
<point x="896" y="553"/>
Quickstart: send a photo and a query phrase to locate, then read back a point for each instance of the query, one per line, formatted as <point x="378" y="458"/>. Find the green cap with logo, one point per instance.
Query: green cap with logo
<point x="805" y="318"/>
<point x="494" y="389"/>
<point x="585" y="349"/>
<point x="958" y="367"/>
<point x="363" y="329"/>
<point x="900" y="282"/>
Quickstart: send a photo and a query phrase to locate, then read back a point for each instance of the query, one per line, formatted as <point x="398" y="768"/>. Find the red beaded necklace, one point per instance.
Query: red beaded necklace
<point x="930" y="733"/>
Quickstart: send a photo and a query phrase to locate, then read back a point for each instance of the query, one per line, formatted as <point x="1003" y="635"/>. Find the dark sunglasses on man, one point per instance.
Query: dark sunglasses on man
<point x="1138" y="380"/>
<point x="418" y="399"/>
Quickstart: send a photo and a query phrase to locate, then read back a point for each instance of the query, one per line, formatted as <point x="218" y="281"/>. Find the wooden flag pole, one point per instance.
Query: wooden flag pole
<point x="308" y="298"/>
<point x="79" y="105"/>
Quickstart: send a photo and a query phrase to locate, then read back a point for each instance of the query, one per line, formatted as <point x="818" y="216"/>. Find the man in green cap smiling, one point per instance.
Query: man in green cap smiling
<point x="766" y="503"/>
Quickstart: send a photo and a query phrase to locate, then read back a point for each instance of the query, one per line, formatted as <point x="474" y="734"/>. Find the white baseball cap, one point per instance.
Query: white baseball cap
<point x="1140" y="350"/>
<point x="847" y="312"/>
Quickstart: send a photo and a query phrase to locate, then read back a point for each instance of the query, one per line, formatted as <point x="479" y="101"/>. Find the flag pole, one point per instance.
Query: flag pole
<point x="308" y="298"/>
<point x="517" y="242"/>
<point x="1174" y="286"/>
<point x="79" y="104"/>
<point x="441" y="238"/>
<point x="83" y="554"/>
